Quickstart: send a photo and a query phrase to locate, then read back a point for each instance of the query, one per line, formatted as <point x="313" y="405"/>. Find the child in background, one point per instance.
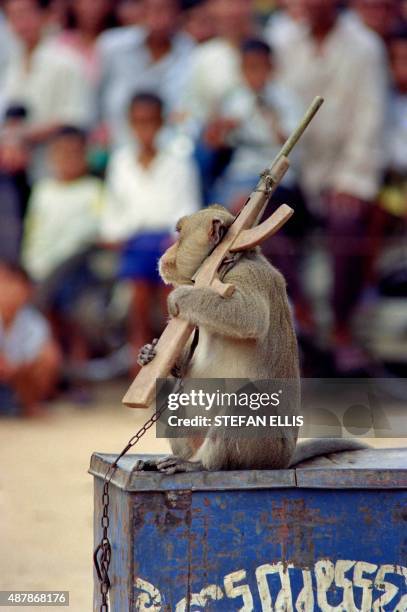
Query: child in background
<point x="196" y="20"/>
<point x="29" y="357"/>
<point x="257" y="117"/>
<point x="62" y="222"/>
<point x="14" y="185"/>
<point x="51" y="84"/>
<point x="149" y="187"/>
<point x="63" y="211"/>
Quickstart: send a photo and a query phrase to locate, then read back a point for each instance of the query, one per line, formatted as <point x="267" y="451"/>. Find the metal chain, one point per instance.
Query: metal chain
<point x="103" y="552"/>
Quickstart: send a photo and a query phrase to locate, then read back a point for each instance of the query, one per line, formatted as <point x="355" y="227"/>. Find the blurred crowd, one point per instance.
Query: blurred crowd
<point x="118" y="117"/>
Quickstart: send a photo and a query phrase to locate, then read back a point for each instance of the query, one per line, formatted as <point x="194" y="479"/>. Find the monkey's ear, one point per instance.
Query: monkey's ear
<point x="217" y="230"/>
<point x="178" y="227"/>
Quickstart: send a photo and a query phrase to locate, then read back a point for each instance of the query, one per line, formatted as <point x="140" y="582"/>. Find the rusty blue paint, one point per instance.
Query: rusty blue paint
<point x="253" y="548"/>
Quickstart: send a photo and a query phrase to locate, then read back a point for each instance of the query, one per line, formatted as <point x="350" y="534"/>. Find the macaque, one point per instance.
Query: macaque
<point x="249" y="335"/>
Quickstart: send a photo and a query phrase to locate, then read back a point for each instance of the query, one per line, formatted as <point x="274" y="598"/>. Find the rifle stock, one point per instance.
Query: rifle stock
<point x="240" y="236"/>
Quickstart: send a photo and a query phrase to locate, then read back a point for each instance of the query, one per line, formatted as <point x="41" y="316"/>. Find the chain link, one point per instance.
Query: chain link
<point x="103" y="552"/>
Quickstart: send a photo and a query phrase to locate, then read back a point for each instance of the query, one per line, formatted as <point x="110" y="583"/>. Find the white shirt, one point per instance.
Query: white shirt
<point x="7" y="46"/>
<point x="397" y="133"/>
<point x="53" y="87"/>
<point x="25" y="338"/>
<point x="343" y="146"/>
<point x="214" y="73"/>
<point x="147" y="199"/>
<point x="62" y="219"/>
<point x="281" y="26"/>
<point x="255" y="139"/>
<point x="127" y="67"/>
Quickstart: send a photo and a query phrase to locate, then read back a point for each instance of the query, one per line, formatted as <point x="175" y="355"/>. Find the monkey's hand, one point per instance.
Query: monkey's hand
<point x="147" y="353"/>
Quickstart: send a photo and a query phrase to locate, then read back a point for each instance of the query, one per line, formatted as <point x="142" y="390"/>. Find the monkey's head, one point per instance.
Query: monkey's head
<point x="198" y="234"/>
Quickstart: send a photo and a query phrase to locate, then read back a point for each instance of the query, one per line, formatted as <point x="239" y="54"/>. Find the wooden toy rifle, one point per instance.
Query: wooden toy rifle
<point x="244" y="233"/>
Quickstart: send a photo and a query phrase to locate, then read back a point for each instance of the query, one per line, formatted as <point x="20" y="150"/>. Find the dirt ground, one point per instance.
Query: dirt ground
<point x="46" y="495"/>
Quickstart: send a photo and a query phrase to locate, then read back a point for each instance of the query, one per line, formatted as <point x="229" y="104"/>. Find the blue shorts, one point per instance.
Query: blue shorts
<point x="9" y="404"/>
<point x="140" y="255"/>
<point x="71" y="287"/>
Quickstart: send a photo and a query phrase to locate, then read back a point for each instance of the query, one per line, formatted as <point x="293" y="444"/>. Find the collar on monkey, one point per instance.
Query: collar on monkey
<point x="228" y="263"/>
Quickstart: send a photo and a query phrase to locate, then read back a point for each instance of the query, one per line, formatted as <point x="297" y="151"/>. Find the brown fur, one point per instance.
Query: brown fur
<point x="248" y="335"/>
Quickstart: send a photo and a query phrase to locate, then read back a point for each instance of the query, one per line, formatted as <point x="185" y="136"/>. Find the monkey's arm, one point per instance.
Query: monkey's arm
<point x="244" y="315"/>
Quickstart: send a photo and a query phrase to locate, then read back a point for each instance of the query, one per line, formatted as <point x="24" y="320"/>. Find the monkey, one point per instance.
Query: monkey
<point x="249" y="335"/>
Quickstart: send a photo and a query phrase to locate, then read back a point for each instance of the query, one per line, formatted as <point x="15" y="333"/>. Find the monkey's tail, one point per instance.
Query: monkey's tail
<point x="308" y="449"/>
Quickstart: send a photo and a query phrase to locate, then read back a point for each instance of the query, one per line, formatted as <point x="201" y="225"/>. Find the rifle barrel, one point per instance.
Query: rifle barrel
<point x="298" y="132"/>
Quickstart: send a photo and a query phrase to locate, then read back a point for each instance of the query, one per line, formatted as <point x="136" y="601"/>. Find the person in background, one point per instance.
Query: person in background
<point x="7" y="44"/>
<point x="398" y="135"/>
<point x="10" y="226"/>
<point x="129" y="12"/>
<point x="50" y="84"/>
<point x="14" y="186"/>
<point x="154" y="57"/>
<point x="379" y="15"/>
<point x="148" y="189"/>
<point x="86" y="19"/>
<point x="393" y="197"/>
<point x="342" y="171"/>
<point x="215" y="65"/>
<point x="64" y="210"/>
<point x="259" y="115"/>
<point x="29" y="356"/>
<point x="57" y="12"/>
<point x="288" y="17"/>
<point x="62" y="222"/>
<point x="213" y="73"/>
<point x="389" y="221"/>
<point x="196" y="20"/>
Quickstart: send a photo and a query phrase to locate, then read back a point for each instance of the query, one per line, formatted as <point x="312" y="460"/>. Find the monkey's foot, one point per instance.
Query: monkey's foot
<point x="171" y="465"/>
<point x="148" y="465"/>
<point x="147" y="353"/>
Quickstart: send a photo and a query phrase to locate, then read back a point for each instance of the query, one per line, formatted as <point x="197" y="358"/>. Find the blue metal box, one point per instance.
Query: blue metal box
<point x="328" y="535"/>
